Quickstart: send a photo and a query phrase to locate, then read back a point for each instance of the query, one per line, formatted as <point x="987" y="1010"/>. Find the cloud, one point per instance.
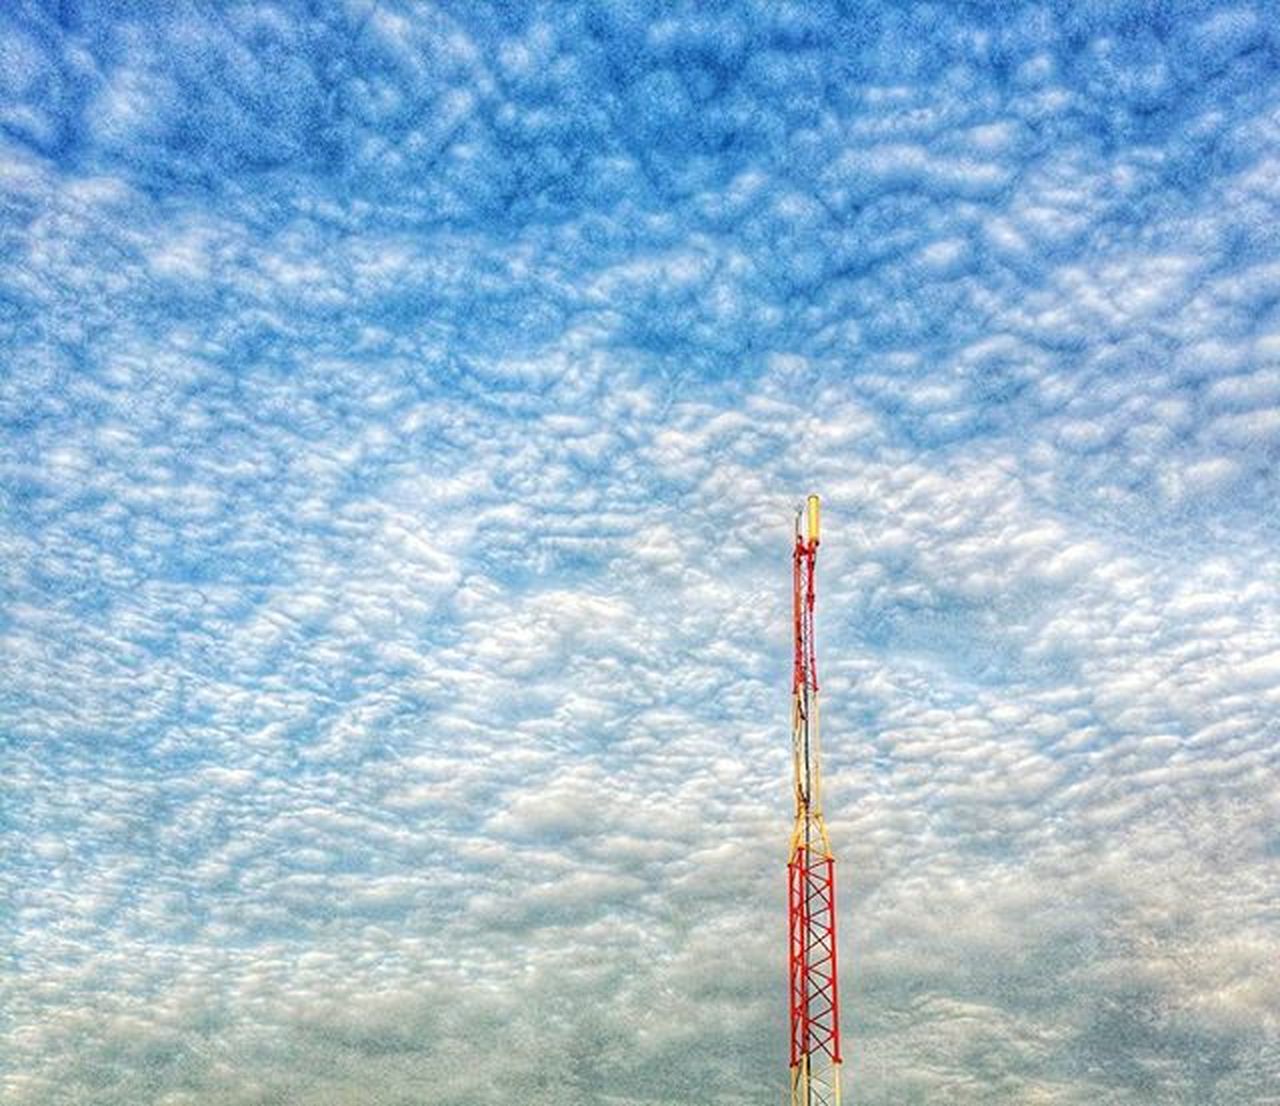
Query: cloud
<point x="403" y="413"/>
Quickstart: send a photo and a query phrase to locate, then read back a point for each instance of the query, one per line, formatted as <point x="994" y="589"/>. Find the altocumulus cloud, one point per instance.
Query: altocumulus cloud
<point x="402" y="410"/>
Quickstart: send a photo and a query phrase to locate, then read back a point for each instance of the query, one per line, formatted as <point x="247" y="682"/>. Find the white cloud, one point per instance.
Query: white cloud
<point x="403" y="412"/>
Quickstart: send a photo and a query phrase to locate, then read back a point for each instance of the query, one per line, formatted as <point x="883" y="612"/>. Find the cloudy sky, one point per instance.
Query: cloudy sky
<point x="402" y="407"/>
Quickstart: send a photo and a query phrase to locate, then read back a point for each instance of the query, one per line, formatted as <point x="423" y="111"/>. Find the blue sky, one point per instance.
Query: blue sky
<point x="402" y="408"/>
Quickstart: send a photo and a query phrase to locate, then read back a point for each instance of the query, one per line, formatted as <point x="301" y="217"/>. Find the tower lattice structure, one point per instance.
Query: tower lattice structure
<point x="811" y="890"/>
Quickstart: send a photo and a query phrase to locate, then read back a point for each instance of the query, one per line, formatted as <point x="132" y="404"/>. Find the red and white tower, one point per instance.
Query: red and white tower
<point x="811" y="894"/>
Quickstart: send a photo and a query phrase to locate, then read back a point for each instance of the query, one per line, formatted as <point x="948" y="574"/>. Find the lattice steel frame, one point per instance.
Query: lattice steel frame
<point x="811" y="893"/>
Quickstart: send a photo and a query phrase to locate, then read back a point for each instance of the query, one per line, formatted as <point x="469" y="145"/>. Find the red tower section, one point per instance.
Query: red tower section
<point x="811" y="893"/>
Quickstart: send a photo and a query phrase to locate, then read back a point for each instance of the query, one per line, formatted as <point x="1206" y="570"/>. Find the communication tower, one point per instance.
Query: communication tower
<point x="811" y="889"/>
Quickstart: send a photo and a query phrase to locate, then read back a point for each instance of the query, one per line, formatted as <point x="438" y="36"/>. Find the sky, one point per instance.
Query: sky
<point x="402" y="412"/>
